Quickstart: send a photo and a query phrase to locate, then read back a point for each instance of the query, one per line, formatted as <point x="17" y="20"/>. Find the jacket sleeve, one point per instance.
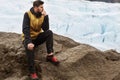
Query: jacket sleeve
<point x="45" y="25"/>
<point x="26" y="28"/>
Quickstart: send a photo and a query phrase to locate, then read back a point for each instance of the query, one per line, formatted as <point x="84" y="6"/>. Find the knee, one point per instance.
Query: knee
<point x="50" y="32"/>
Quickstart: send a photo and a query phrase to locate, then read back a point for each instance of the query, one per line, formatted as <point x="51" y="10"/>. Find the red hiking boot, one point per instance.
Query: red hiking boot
<point x="52" y="59"/>
<point x="34" y="76"/>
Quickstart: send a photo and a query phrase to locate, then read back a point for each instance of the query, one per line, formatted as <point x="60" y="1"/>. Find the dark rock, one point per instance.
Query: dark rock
<point x="78" y="61"/>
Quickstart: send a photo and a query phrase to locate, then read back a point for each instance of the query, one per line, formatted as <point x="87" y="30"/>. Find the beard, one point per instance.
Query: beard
<point x="38" y="14"/>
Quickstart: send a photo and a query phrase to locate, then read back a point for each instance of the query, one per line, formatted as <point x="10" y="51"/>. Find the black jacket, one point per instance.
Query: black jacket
<point x="26" y="25"/>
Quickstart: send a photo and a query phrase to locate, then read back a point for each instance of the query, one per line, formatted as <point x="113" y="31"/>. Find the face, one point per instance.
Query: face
<point x="40" y="8"/>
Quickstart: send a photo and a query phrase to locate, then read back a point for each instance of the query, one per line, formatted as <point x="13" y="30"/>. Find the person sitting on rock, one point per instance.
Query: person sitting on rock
<point x="35" y="32"/>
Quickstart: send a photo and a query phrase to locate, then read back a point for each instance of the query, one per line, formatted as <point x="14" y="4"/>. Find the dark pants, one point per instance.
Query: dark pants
<point x="42" y="37"/>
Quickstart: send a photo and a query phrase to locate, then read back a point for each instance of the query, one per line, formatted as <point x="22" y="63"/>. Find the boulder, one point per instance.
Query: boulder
<point x="78" y="61"/>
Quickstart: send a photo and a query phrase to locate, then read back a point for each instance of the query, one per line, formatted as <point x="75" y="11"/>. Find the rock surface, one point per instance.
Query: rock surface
<point x="78" y="61"/>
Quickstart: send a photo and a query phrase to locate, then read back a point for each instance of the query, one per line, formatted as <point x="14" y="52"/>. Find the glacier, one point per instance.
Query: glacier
<point x="94" y="23"/>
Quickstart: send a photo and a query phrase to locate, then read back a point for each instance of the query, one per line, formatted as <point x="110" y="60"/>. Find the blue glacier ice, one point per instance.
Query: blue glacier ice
<point x="94" y="23"/>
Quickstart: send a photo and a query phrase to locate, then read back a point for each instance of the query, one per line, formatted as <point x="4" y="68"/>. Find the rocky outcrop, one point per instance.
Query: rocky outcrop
<point x="78" y="61"/>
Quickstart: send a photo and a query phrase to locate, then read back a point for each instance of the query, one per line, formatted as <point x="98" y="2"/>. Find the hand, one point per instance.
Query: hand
<point x="30" y="46"/>
<point x="44" y="13"/>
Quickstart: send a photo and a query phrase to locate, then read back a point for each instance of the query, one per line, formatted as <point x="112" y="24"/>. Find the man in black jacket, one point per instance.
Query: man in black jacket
<point x="35" y="32"/>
